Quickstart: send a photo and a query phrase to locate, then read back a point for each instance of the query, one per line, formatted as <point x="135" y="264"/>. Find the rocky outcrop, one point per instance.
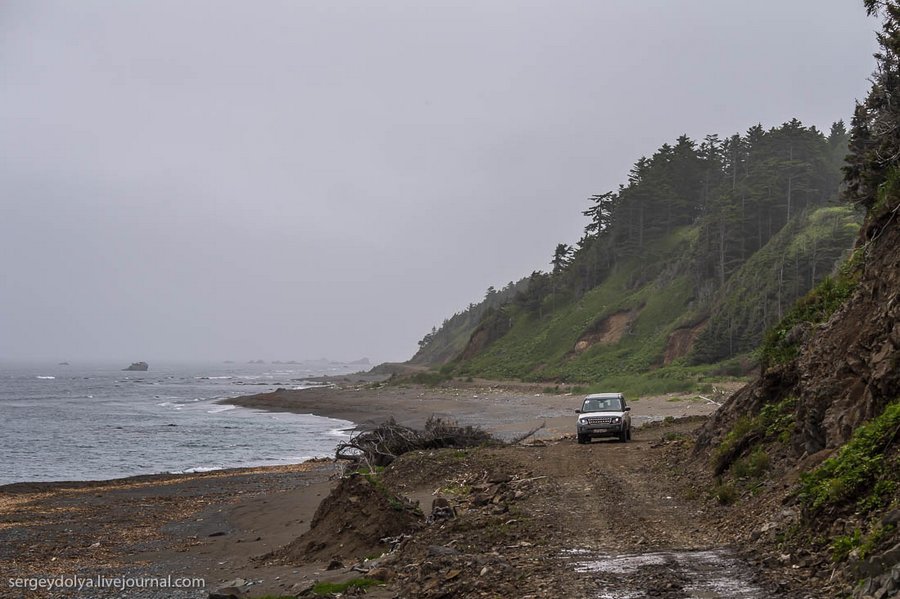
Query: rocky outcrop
<point x="138" y="366"/>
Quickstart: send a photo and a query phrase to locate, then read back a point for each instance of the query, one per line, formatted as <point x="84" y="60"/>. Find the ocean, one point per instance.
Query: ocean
<point x="96" y="422"/>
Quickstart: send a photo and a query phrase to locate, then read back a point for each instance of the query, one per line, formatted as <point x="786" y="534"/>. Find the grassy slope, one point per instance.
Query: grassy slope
<point x="542" y="349"/>
<point x="748" y="304"/>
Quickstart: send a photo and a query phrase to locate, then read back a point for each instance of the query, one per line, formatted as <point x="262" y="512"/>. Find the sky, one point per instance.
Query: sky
<point x="279" y="180"/>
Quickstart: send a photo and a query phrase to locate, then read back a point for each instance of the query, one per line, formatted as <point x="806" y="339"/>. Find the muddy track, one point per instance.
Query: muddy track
<point x="606" y="520"/>
<point x="608" y="495"/>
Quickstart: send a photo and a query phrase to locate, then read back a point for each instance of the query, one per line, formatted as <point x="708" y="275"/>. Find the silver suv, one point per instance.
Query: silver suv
<point x="604" y="415"/>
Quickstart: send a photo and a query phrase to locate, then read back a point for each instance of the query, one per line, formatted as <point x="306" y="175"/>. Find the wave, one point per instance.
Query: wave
<point x="341" y="432"/>
<point x="196" y="470"/>
<point x="218" y="409"/>
<point x="45" y="377"/>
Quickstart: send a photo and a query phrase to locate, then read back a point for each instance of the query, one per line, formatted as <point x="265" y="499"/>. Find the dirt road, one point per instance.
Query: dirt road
<point x="611" y="520"/>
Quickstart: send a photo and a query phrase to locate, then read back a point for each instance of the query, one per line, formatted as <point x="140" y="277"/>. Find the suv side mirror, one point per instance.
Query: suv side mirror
<point x="578" y="411"/>
<point x="627" y="408"/>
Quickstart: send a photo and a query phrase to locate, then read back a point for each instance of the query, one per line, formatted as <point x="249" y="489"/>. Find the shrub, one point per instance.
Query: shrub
<point x="860" y="470"/>
<point x="725" y="493"/>
<point x="753" y="466"/>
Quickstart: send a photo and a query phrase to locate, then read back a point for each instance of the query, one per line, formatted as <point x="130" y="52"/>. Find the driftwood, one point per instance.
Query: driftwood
<point x="383" y="444"/>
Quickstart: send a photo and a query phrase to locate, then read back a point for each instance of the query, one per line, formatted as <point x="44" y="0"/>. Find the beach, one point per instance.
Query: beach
<point x="503" y="408"/>
<point x="217" y="525"/>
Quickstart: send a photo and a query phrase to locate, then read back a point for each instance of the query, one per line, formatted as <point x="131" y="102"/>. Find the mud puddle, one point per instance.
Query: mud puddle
<point x="710" y="574"/>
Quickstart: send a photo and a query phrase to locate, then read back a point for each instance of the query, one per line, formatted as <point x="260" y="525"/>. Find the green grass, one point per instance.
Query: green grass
<point x="430" y="378"/>
<point x="863" y="544"/>
<point x="332" y="588"/>
<point x="862" y="472"/>
<point x="775" y="422"/>
<point x="888" y="192"/>
<point x="634" y="386"/>
<point x="542" y="349"/>
<point x="753" y="466"/>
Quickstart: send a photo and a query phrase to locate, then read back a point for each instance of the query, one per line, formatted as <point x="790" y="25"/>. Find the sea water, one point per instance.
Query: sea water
<point x="96" y="422"/>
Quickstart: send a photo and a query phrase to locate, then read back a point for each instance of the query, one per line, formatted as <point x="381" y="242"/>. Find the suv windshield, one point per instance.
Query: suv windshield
<point x="611" y="404"/>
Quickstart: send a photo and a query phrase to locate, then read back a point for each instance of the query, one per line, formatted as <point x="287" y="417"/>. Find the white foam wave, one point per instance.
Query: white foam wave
<point x="46" y="377"/>
<point x="341" y="432"/>
<point x="218" y="409"/>
<point x="302" y="387"/>
<point x="196" y="470"/>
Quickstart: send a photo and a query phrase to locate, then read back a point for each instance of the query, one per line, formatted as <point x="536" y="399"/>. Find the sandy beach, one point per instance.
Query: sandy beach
<point x="503" y="408"/>
<point x="216" y="525"/>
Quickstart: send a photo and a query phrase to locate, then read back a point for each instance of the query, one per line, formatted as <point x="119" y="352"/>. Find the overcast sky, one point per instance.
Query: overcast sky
<point x="293" y="179"/>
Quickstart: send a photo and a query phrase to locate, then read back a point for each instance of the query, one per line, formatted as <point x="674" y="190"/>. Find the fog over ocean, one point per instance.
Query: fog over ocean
<point x="95" y="421"/>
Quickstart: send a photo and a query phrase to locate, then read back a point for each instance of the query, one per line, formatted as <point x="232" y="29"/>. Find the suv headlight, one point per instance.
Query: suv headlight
<point x="617" y="420"/>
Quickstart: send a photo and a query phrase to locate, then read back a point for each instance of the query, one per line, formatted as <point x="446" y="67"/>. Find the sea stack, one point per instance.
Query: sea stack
<point x="139" y="366"/>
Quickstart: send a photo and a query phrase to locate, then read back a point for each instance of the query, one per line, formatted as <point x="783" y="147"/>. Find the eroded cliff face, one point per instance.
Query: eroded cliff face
<point x="847" y="369"/>
<point x="823" y="429"/>
<point x="850" y="368"/>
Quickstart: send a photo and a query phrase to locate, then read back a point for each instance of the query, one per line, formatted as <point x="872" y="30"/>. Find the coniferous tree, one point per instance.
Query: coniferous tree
<point x="875" y="128"/>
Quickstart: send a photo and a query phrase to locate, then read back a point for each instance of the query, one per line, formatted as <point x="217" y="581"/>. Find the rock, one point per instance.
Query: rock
<point x="381" y="573"/>
<point x="441" y="509"/>
<point x="138" y="366"/>
<point x="891" y="517"/>
<point x="798" y="334"/>
<point x="218" y="533"/>
<point x="440" y="550"/>
<point x="227" y="593"/>
<point x="482" y="499"/>
<point x="335" y="564"/>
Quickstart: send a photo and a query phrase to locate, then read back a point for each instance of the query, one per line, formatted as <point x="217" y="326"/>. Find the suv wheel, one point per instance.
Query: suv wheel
<point x="629" y="433"/>
<point x="623" y="436"/>
<point x="582" y="439"/>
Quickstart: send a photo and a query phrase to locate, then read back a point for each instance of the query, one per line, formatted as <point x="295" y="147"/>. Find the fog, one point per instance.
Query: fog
<point x="215" y="180"/>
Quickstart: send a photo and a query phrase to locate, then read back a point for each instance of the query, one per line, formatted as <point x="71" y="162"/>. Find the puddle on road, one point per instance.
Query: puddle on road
<point x="711" y="574"/>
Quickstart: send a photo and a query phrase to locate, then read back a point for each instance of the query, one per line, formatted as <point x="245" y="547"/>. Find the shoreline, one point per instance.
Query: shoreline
<point x="505" y="409"/>
<point x="159" y="478"/>
<point x="502" y="408"/>
<point x="221" y="524"/>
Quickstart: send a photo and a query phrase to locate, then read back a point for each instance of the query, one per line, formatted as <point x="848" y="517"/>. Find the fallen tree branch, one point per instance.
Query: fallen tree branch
<point x="382" y="445"/>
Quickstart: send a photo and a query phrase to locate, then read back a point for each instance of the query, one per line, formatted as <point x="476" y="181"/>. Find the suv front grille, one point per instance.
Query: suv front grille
<point x="600" y="420"/>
